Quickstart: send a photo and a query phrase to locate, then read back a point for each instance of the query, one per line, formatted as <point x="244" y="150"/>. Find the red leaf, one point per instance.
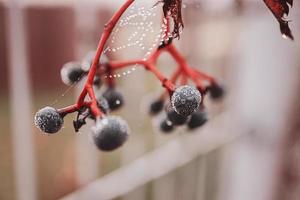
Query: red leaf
<point x="173" y="9"/>
<point x="279" y="8"/>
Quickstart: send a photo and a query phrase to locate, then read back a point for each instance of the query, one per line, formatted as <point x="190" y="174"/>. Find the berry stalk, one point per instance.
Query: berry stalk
<point x="88" y="87"/>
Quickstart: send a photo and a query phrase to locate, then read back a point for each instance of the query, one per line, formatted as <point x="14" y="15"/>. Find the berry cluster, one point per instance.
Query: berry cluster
<point x="186" y="107"/>
<point x="184" y="103"/>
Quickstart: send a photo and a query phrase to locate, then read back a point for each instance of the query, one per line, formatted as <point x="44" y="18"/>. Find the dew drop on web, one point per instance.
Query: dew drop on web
<point x="139" y="32"/>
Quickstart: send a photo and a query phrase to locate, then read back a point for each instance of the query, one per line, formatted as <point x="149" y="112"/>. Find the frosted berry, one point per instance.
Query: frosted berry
<point x="114" y="98"/>
<point x="166" y="126"/>
<point x="198" y="118"/>
<point x="48" y="120"/>
<point x="71" y="73"/>
<point x="185" y="100"/>
<point x="156" y="106"/>
<point x="175" y="118"/>
<point x="110" y="133"/>
<point x="216" y="91"/>
<point x="102" y="103"/>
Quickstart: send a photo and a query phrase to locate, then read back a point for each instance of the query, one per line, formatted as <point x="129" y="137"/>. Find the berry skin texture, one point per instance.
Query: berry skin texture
<point x="185" y="100"/>
<point x="198" y="118"/>
<point x="48" y="120"/>
<point x="71" y="73"/>
<point x="166" y="126"/>
<point x="110" y="133"/>
<point x="156" y="107"/>
<point x="216" y="92"/>
<point x="176" y="118"/>
<point x="114" y="98"/>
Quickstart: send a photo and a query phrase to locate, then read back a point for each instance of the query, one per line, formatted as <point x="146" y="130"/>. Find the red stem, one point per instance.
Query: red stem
<point x="73" y="108"/>
<point x="88" y="88"/>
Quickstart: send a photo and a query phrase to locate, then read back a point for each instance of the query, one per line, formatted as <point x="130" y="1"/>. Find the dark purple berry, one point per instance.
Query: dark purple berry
<point x="48" y="120"/>
<point x="71" y="73"/>
<point x="185" y="100"/>
<point x="114" y="98"/>
<point x="198" y="118"/>
<point x="166" y="126"/>
<point x="175" y="118"/>
<point x="110" y="133"/>
<point x="156" y="106"/>
<point x="216" y="91"/>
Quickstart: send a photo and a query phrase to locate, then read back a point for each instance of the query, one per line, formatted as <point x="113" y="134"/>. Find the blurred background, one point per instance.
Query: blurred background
<point x="250" y="148"/>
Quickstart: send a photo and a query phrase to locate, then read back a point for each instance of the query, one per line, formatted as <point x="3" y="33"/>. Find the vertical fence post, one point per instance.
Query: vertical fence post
<point x="20" y="98"/>
<point x="266" y="77"/>
<point x="87" y="157"/>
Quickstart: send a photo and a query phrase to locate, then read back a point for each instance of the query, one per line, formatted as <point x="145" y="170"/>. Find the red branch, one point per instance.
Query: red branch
<point x="88" y="87"/>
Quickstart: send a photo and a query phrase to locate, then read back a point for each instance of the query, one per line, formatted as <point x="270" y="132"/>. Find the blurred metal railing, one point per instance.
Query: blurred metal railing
<point x="23" y="148"/>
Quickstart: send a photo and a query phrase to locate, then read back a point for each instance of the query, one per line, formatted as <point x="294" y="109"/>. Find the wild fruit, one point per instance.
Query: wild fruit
<point x="110" y="133"/>
<point x="216" y="91"/>
<point x="175" y="118"/>
<point x="198" y="119"/>
<point x="185" y="100"/>
<point x="114" y="98"/>
<point x="48" y="120"/>
<point x="156" y="106"/>
<point x="71" y="73"/>
<point x="166" y="126"/>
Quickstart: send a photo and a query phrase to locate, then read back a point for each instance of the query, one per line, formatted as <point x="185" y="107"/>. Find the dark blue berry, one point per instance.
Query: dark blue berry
<point x="156" y="106"/>
<point x="114" y="98"/>
<point x="175" y="118"/>
<point x="166" y="126"/>
<point x="216" y="91"/>
<point x="198" y="118"/>
<point x="48" y="120"/>
<point x="71" y="73"/>
<point x="185" y="100"/>
<point x="110" y="133"/>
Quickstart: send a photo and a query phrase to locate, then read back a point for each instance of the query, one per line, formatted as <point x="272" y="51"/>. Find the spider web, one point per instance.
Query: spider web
<point x="139" y="32"/>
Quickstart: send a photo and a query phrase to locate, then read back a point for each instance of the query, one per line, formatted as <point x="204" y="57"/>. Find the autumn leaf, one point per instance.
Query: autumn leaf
<point x="173" y="8"/>
<point x="279" y="8"/>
